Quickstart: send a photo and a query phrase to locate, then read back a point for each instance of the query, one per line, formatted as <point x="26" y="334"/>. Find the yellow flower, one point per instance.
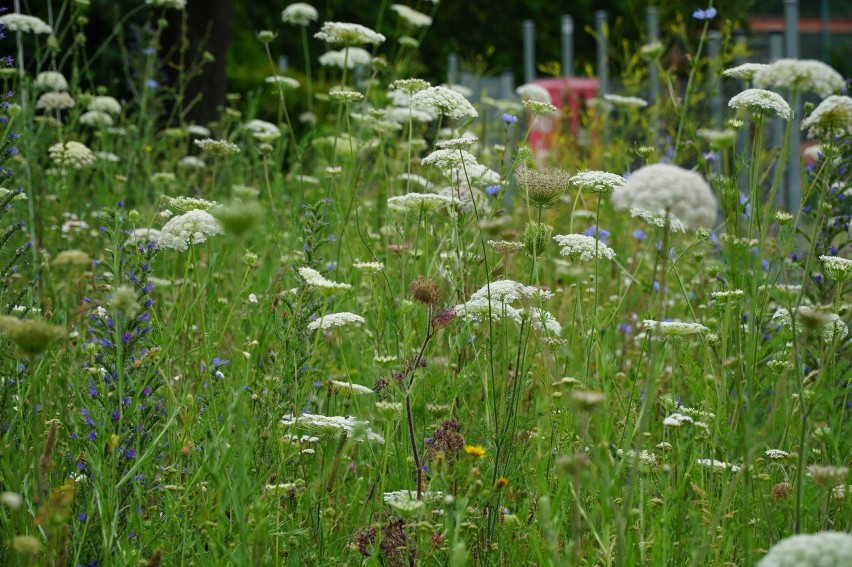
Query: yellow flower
<point x="475" y="450"/>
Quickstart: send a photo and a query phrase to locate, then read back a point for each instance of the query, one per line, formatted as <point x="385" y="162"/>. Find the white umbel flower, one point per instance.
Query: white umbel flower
<point x="418" y="202"/>
<point x="717" y="465"/>
<point x="299" y="14"/>
<point x="350" y="387"/>
<point x="583" y="248"/>
<point x="286" y="82"/>
<point x="173" y="4"/>
<point x="51" y="81"/>
<point x="833" y="117"/>
<point x="347" y="57"/>
<point x="762" y="102"/>
<point x="341" y="319"/>
<point x="837" y="268"/>
<point x="804" y="75"/>
<point x="262" y="130"/>
<point x="663" y="187"/>
<point x="71" y="154"/>
<point x="626" y="101"/>
<point x="368" y="267"/>
<point x="544" y="321"/>
<point x="353" y="428"/>
<point x="106" y="104"/>
<point x="443" y="101"/>
<point x="315" y="279"/>
<point x="450" y="159"/>
<point x="341" y="33"/>
<point x="745" y="72"/>
<point x="597" y="181"/>
<point x="822" y="549"/>
<point x="217" y="147"/>
<point x="531" y="91"/>
<point x="96" y="119"/>
<point x="411" y="17"/>
<point x="55" y="100"/>
<point x="677" y="420"/>
<point x="509" y="291"/>
<point x="674" y="328"/>
<point x="186" y="204"/>
<point x="193" y="227"/>
<point x="24" y="23"/>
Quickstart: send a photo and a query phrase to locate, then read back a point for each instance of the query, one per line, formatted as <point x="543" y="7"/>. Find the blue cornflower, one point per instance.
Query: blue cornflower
<point x="599" y="233"/>
<point x="509" y="119"/>
<point x="639" y="235"/>
<point x="707" y="14"/>
<point x="492" y="189"/>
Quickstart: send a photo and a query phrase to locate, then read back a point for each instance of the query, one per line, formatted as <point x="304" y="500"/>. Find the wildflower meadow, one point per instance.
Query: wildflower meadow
<point x="369" y="317"/>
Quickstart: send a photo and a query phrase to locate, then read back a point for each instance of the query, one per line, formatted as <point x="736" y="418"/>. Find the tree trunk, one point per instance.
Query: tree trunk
<point x="209" y="25"/>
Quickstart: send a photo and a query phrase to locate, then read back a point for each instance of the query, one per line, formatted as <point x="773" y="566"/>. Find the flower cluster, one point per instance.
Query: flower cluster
<point x="299" y="14"/>
<point x="583" y="248"/>
<point x="72" y="154"/>
<point x="331" y="320"/>
<point x="192" y="227"/>
<point x="832" y="117"/>
<point x="805" y="75"/>
<point x="762" y="102"/>
<point x="352" y="428"/>
<point x="315" y="279"/>
<point x="800" y="550"/>
<point x="443" y="100"/>
<point x="341" y="33"/>
<point x="662" y="187"/>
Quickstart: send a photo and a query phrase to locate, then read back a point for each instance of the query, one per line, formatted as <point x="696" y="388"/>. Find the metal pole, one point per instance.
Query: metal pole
<point x="452" y="69"/>
<point x="567" y="46"/>
<point x="652" y="21"/>
<point x="714" y="40"/>
<point x="507" y="84"/>
<point x="776" y="134"/>
<point x="742" y="142"/>
<point x="791" y="51"/>
<point x="529" y="51"/>
<point x="823" y="12"/>
<point x="602" y="52"/>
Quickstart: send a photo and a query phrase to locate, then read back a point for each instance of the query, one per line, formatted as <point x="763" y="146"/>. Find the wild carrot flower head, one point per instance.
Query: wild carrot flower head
<point x="411" y="16"/>
<point x="341" y="33"/>
<point x="25" y="24"/>
<point x="299" y="14"/>
<point x="583" y="248"/>
<point x="832" y="117"/>
<point x="821" y="548"/>
<point x="443" y="100"/>
<point x="71" y="154"/>
<point x="597" y="181"/>
<point x="804" y="75"/>
<point x="663" y="187"/>
<point x="193" y="227"/>
<point x="762" y="102"/>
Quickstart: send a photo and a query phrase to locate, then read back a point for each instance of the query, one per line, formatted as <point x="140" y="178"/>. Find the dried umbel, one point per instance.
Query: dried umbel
<point x="542" y="187"/>
<point x="425" y="291"/>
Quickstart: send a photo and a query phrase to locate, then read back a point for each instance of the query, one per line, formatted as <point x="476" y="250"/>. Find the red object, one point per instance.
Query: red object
<point x="567" y="95"/>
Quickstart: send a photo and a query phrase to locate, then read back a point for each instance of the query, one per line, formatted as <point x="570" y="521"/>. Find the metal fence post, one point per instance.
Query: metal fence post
<point x="529" y="51"/>
<point x="452" y="69"/>
<point x="794" y="164"/>
<point x="567" y="46"/>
